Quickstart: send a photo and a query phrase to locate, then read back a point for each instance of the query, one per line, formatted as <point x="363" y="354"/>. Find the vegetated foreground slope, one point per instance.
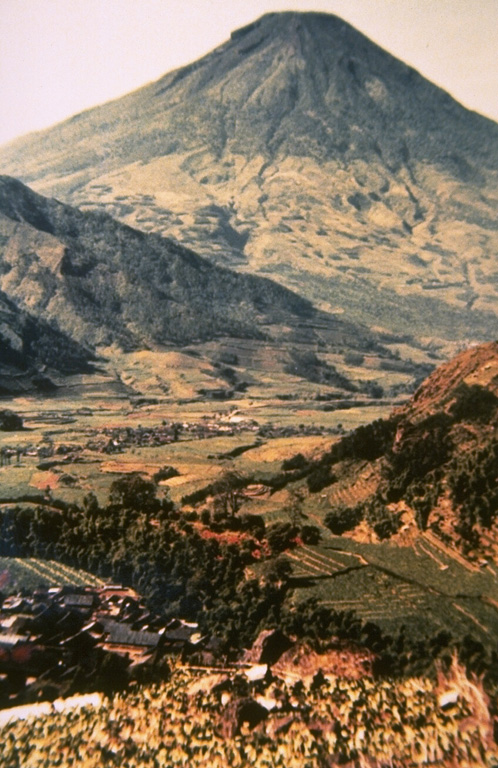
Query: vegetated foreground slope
<point x="198" y="721"/>
<point x="301" y="150"/>
<point x="102" y="282"/>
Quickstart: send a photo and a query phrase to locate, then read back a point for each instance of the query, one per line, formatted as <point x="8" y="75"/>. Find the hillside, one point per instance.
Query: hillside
<point x="350" y="587"/>
<point x="103" y="283"/>
<point x="432" y="467"/>
<point x="300" y="150"/>
<point x="32" y="353"/>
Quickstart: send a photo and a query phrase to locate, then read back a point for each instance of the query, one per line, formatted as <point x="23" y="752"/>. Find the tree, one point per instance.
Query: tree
<point x="342" y="518"/>
<point x="91" y="504"/>
<point x="281" y="536"/>
<point x="384" y="522"/>
<point x="253" y="524"/>
<point x="135" y="493"/>
<point x="165" y="473"/>
<point x="294" y="508"/>
<point x="278" y="571"/>
<point x="320" y="478"/>
<point x="310" y="534"/>
<point x="228" y="495"/>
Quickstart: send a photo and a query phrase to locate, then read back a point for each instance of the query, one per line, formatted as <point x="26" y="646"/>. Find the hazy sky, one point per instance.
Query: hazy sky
<point x="58" y="57"/>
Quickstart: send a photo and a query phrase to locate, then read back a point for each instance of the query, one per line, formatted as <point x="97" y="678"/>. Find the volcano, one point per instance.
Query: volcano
<point x="302" y="151"/>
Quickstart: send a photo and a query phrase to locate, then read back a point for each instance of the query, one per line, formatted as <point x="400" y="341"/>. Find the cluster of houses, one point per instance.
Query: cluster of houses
<point x="67" y="640"/>
<point x="40" y="452"/>
<point x="117" y="439"/>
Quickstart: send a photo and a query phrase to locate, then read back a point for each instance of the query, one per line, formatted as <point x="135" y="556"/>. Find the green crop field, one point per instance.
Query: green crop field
<point x="30" y="573"/>
<point x="394" y="585"/>
<point x="320" y="561"/>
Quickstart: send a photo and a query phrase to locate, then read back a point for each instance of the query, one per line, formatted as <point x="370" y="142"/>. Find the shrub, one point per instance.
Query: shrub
<point x="310" y="534"/>
<point x="205" y="516"/>
<point x="384" y="523"/>
<point x="254" y="524"/>
<point x="342" y="518"/>
<point x="473" y="403"/>
<point x="281" y="536"/>
<point x="134" y="492"/>
<point x="165" y="473"/>
<point x="295" y="462"/>
<point x="320" y="478"/>
<point x="354" y="358"/>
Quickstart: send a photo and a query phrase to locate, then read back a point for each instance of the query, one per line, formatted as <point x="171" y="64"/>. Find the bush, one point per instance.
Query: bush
<point x="254" y="524"/>
<point x="384" y="523"/>
<point x="10" y="421"/>
<point x="373" y="390"/>
<point x="354" y="358"/>
<point x="368" y="442"/>
<point x="295" y="462"/>
<point x="281" y="536"/>
<point x="310" y="534"/>
<point x="165" y="473"/>
<point x="205" y="517"/>
<point x="134" y="492"/>
<point x="278" y="570"/>
<point x="473" y="403"/>
<point x="320" y="478"/>
<point x="342" y="519"/>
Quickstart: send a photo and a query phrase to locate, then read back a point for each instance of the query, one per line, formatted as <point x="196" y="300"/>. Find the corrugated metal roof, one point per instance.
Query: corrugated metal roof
<point x="123" y="635"/>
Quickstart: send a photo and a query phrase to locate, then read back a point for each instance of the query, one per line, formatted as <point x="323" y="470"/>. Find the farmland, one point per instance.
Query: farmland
<point x="57" y="457"/>
<point x="61" y="446"/>
<point x="391" y="585"/>
<point x="218" y="514"/>
<point x="31" y="573"/>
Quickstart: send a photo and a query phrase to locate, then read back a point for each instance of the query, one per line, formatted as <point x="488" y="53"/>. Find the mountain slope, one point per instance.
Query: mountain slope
<point x="104" y="283"/>
<point x="301" y="150"/>
<point x="32" y="352"/>
<point x="431" y="468"/>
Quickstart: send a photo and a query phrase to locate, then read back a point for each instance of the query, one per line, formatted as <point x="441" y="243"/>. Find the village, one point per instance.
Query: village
<point x="65" y="640"/>
<point x="119" y="439"/>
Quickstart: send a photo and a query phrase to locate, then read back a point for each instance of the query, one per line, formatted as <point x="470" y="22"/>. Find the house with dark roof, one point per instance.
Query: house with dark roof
<point x="121" y="639"/>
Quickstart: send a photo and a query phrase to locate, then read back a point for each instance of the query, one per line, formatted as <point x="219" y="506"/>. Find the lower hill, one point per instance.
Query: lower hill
<point x="103" y="283"/>
<point x="377" y="560"/>
<point x="32" y="352"/>
<point x="430" y="470"/>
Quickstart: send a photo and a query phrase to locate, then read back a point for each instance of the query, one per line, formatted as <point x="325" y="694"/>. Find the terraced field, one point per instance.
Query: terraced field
<point x="395" y="603"/>
<point x="426" y="588"/>
<point x="353" y="494"/>
<point x="29" y="573"/>
<point x="318" y="562"/>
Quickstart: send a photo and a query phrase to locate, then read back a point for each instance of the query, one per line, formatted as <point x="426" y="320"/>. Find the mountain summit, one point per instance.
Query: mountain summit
<point x="305" y="84"/>
<point x="302" y="150"/>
